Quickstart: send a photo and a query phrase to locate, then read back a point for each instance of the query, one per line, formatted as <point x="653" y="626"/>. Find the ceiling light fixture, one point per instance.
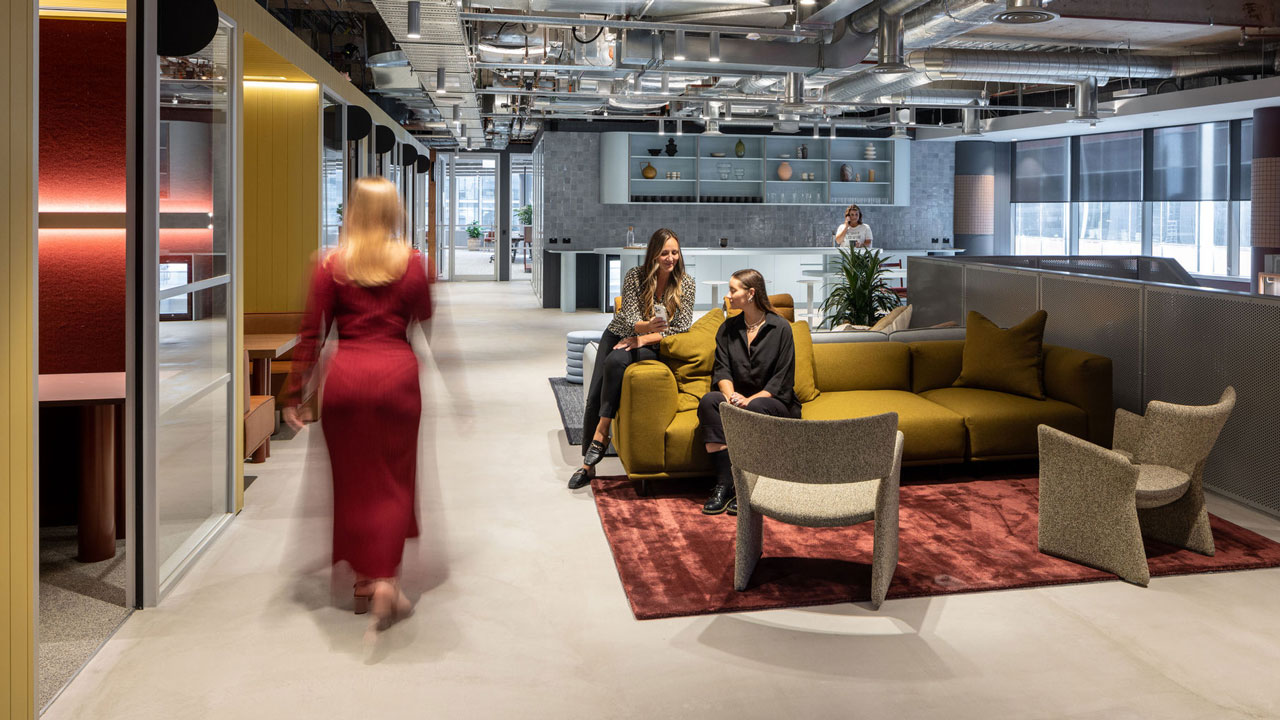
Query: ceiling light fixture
<point x="680" y="47"/>
<point x="441" y="81"/>
<point x="833" y="130"/>
<point x="662" y="128"/>
<point x="815" y="130"/>
<point x="414" y="20"/>
<point x="679" y="127"/>
<point x="713" y="54"/>
<point x="808" y="2"/>
<point x="666" y="83"/>
<point x="728" y="111"/>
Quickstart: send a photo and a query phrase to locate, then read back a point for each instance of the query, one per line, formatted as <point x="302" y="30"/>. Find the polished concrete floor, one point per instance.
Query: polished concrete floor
<point x="521" y="614"/>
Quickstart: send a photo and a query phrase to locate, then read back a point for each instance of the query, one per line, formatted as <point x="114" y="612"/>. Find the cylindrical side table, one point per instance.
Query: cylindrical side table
<point x="715" y="291"/>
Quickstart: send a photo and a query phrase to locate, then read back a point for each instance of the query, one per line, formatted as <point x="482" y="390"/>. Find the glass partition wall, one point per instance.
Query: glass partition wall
<point x="181" y="300"/>
<point x="194" y="430"/>
<point x="467" y="224"/>
<point x="333" y="170"/>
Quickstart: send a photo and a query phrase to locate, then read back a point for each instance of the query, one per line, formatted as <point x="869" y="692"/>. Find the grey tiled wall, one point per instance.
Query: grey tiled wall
<point x="572" y="207"/>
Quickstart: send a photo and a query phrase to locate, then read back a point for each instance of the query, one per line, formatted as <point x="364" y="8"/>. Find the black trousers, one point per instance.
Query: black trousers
<point x="605" y="392"/>
<point x="709" y="413"/>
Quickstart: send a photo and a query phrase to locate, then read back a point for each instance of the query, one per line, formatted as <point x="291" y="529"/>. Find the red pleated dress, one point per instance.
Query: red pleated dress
<point x="371" y="409"/>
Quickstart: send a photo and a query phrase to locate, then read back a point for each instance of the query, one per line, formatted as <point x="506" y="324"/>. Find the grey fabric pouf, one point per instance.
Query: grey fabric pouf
<point x="576" y="342"/>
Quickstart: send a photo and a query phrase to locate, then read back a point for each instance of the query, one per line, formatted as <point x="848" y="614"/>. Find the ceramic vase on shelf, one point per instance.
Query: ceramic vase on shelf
<point x="846" y="173"/>
<point x="857" y="177"/>
<point x="740" y="149"/>
<point x="803" y="152"/>
<point x="784" y="170"/>
<point x="871" y="175"/>
<point x="671" y="147"/>
<point x="869" y="153"/>
<point x="648" y="172"/>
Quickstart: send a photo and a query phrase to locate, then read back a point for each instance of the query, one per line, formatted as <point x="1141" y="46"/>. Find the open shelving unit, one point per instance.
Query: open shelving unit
<point x="711" y="170"/>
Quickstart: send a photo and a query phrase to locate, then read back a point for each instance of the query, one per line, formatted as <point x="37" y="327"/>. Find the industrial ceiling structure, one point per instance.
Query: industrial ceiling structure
<point x="485" y="73"/>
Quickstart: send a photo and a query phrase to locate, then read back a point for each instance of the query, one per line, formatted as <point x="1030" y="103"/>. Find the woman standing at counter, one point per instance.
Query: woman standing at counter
<point x="853" y="232"/>
<point x="659" y="290"/>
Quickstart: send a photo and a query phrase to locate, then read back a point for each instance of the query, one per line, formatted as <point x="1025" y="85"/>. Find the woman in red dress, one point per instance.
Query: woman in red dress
<point x="372" y="287"/>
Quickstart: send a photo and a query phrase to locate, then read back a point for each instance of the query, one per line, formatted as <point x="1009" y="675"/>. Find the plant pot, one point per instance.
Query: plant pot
<point x="784" y="170"/>
<point x="648" y="172"/>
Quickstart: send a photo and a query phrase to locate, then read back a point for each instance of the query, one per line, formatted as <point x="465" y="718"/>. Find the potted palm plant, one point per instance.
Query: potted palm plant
<point x="860" y="294"/>
<point x="525" y="215"/>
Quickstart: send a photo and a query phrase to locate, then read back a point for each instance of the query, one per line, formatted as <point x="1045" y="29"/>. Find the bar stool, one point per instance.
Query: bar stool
<point x="808" y="291"/>
<point x="715" y="291"/>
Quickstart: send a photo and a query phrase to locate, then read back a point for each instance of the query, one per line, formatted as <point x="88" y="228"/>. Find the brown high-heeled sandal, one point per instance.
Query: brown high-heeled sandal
<point x="363" y="596"/>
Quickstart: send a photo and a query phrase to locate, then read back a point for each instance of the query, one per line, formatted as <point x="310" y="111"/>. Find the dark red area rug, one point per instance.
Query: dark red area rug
<point x="954" y="537"/>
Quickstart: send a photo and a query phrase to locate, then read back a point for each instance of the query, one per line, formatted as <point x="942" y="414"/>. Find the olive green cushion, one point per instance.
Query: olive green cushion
<point x="1004" y="425"/>
<point x="930" y="431"/>
<point x="806" y="388"/>
<point x="862" y="366"/>
<point x="935" y="363"/>
<point x="691" y="355"/>
<point x="1009" y="361"/>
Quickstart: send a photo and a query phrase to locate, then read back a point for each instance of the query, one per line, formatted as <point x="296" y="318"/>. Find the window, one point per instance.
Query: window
<point x="1040" y="229"/>
<point x="1190" y="162"/>
<point x="1193" y="233"/>
<point x="1110" y="228"/>
<point x="1245" y="223"/>
<point x="1040" y="171"/>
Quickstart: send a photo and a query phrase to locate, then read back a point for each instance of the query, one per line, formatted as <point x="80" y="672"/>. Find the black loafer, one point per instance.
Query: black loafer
<point x="581" y="478"/>
<point x="595" y="453"/>
<point x="733" y="507"/>
<point x="719" y="501"/>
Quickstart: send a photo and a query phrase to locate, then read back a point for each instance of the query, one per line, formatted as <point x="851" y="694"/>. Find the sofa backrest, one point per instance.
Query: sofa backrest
<point x="862" y="366"/>
<point x="911" y="335"/>
<point x="935" y="363"/>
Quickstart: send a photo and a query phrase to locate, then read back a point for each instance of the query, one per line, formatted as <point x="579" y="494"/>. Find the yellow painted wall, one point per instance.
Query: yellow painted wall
<point x="281" y="193"/>
<point x="17" y="357"/>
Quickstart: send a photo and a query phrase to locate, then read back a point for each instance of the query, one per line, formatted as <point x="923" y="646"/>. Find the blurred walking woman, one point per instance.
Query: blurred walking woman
<point x="755" y="369"/>
<point x="371" y="287"/>
<point x="657" y="300"/>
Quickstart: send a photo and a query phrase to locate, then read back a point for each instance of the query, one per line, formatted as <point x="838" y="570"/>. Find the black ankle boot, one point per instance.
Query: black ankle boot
<point x="724" y="490"/>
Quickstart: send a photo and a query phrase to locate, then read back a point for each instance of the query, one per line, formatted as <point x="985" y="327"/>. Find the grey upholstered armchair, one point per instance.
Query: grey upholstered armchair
<point x="1096" y="504"/>
<point x="815" y="473"/>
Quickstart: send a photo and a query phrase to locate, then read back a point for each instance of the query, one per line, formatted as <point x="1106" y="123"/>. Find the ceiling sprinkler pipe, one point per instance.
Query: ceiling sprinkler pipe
<point x="1086" y="101"/>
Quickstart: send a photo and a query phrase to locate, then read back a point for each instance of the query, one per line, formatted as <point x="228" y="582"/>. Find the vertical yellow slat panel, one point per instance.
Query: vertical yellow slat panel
<point x="279" y="195"/>
<point x="17" y="327"/>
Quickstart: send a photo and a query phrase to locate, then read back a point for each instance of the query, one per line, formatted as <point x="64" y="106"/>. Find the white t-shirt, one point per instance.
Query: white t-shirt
<point x="856" y="235"/>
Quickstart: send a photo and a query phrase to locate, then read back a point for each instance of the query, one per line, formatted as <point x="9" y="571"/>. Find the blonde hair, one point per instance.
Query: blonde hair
<point x="675" y="284"/>
<point x="371" y="251"/>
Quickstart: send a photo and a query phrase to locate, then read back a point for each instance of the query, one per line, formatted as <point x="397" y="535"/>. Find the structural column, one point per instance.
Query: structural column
<point x="1265" y="213"/>
<point x="975" y="204"/>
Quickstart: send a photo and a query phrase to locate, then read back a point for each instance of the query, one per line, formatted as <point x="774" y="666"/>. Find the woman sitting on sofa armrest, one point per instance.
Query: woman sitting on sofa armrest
<point x="657" y="300"/>
<point x="755" y="369"/>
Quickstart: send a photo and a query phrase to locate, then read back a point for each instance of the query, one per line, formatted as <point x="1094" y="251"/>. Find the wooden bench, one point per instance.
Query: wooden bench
<point x="259" y="421"/>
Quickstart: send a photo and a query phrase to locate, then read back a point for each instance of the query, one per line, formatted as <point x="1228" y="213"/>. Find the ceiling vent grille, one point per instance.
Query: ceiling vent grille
<point x="1024" y="12"/>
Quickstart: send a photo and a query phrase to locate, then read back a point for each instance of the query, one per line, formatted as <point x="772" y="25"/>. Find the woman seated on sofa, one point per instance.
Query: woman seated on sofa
<point x="657" y="300"/>
<point x="755" y="368"/>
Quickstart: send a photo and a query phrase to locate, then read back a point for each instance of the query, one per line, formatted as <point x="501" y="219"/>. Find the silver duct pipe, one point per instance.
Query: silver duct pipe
<point x="890" y="39"/>
<point x="1086" y="100"/>
<point x="970" y="125"/>
<point x="755" y="84"/>
<point x="1014" y="65"/>
<point x="928" y="24"/>
<point x="930" y="96"/>
<point x="793" y="89"/>
<point x="867" y="18"/>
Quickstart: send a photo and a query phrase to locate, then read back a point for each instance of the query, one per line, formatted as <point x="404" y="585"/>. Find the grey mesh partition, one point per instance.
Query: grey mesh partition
<point x="1005" y="296"/>
<point x="937" y="286"/>
<point x="1103" y="317"/>
<point x="1197" y="343"/>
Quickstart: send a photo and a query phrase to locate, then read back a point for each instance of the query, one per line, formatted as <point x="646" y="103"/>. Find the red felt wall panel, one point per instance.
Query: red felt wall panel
<point x="82" y="168"/>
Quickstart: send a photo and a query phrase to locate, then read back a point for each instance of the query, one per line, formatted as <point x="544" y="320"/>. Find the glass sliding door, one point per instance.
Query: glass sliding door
<point x="333" y="170"/>
<point x="521" y="198"/>
<point x="184" y="336"/>
<point x="469" y="220"/>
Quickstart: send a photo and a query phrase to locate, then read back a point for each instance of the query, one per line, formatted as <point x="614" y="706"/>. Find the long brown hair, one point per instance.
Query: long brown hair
<point x="674" y="299"/>
<point x="371" y="250"/>
<point x="753" y="280"/>
<point x="853" y="207"/>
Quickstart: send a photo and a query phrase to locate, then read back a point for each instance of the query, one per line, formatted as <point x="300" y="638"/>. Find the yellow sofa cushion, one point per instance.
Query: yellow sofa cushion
<point x="841" y="367"/>
<point x="691" y="356"/>
<point x="935" y="363"/>
<point x="930" y="431"/>
<point x="806" y="388"/>
<point x="685" y="448"/>
<point x="1010" y="360"/>
<point x="1004" y="425"/>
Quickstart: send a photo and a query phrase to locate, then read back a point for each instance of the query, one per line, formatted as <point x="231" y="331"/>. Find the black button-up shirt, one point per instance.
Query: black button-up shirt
<point x="769" y="363"/>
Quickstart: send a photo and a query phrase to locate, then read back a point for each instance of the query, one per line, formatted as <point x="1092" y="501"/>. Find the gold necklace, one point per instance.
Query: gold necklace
<point x="752" y="328"/>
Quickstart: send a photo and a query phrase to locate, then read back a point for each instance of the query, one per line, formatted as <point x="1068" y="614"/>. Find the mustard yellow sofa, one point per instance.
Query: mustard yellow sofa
<point x="657" y="433"/>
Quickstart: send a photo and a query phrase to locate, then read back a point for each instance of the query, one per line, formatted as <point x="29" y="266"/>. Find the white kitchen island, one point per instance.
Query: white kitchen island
<point x="783" y="268"/>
